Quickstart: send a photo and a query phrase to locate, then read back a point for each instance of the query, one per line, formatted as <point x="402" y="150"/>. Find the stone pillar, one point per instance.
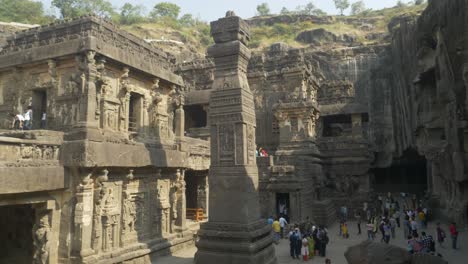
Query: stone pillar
<point x="356" y="121"/>
<point x="182" y="206"/>
<point x="202" y="194"/>
<point x="235" y="233"/>
<point x="83" y="217"/>
<point x="87" y="114"/>
<point x="180" y="121"/>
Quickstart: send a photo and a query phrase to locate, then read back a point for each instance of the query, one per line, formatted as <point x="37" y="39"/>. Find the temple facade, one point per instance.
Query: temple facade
<point x="105" y="173"/>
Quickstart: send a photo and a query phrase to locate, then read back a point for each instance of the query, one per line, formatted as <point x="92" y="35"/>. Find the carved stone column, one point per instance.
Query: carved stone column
<point x="356" y="121"/>
<point x="180" y="119"/>
<point x="181" y="221"/>
<point x="88" y="105"/>
<point x="83" y="217"/>
<point x="235" y="233"/>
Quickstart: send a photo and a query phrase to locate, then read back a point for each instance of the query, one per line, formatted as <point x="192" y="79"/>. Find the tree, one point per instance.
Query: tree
<point x="263" y="9"/>
<point x="400" y="4"/>
<point x="319" y="12"/>
<point x="66" y="7"/>
<point x="130" y="14"/>
<point x="165" y="10"/>
<point x="358" y="7"/>
<point x="74" y="8"/>
<point x="341" y="5"/>
<point x="419" y="2"/>
<point x="309" y="8"/>
<point x="187" y="20"/>
<point x="285" y="11"/>
<point x="22" y="11"/>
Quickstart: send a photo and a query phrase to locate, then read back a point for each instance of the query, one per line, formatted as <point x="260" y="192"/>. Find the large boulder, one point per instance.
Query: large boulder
<point x="377" y="253"/>
<point x="427" y="259"/>
<point x="321" y="36"/>
<point x="317" y="36"/>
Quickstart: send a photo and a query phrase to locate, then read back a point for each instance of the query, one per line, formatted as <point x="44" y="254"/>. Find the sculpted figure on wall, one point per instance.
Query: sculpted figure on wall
<point x="129" y="213"/>
<point x="41" y="236"/>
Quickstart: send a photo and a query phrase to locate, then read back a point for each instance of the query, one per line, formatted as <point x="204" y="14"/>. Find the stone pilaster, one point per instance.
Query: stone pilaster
<point x="356" y="120"/>
<point x="83" y="217"/>
<point x="234" y="233"/>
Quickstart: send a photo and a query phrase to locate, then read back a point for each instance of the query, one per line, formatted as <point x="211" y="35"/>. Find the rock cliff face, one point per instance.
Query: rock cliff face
<point x="392" y="113"/>
<point x="418" y="99"/>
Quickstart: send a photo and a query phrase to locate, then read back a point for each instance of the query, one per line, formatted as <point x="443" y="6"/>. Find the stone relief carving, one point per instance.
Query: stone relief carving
<point x="41" y="238"/>
<point x="129" y="213"/>
<point x="36" y="152"/>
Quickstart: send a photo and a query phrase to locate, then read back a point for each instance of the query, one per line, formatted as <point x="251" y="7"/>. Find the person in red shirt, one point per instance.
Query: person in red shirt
<point x="454" y="235"/>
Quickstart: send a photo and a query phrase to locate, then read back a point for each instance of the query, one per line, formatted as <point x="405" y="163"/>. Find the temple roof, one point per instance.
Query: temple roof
<point x="68" y="37"/>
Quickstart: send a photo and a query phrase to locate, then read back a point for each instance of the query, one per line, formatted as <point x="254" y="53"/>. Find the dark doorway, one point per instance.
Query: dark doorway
<point x="39" y="107"/>
<point x="191" y="188"/>
<point x="16" y="225"/>
<point x="336" y="125"/>
<point x="134" y="112"/>
<point x="282" y="205"/>
<point x="195" y="116"/>
<point x="406" y="174"/>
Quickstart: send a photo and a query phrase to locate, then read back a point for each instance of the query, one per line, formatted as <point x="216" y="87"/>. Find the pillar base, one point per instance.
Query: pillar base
<point x="222" y="243"/>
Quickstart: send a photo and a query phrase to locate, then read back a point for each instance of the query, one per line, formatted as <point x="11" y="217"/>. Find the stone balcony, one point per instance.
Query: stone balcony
<point x="30" y="162"/>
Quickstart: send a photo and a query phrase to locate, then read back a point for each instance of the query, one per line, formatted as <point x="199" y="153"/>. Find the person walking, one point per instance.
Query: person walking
<point x="305" y="249"/>
<point x="440" y="235"/>
<point x="293" y="238"/>
<point x="392" y="226"/>
<point x="396" y="215"/>
<point x="406" y="226"/>
<point x="422" y="219"/>
<point x="18" y="121"/>
<point x="358" y="220"/>
<point x="283" y="223"/>
<point x="28" y="119"/>
<point x="43" y="120"/>
<point x="311" y="245"/>
<point x="426" y="242"/>
<point x="387" y="232"/>
<point x="414" y="227"/>
<point x="298" y="244"/>
<point x="453" y="235"/>
<point x="276" y="230"/>
<point x="370" y="230"/>
<point x="344" y="228"/>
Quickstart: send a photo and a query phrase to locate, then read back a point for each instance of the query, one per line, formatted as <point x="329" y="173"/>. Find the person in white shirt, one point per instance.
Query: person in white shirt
<point x="44" y="120"/>
<point x="28" y="119"/>
<point x="18" y="121"/>
<point x="283" y="223"/>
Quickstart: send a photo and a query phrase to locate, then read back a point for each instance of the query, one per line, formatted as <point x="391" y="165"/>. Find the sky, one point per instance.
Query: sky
<point x="209" y="10"/>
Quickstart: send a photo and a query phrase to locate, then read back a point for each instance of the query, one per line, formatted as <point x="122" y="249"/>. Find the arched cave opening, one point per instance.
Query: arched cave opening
<point x="407" y="173"/>
<point x="16" y="234"/>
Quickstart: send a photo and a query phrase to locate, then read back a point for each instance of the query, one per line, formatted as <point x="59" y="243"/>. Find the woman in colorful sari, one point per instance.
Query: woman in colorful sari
<point x="311" y="242"/>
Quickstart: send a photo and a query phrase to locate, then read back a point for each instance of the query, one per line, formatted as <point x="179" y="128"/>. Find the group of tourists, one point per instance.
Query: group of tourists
<point x="25" y="121"/>
<point x="261" y="152"/>
<point x="306" y="240"/>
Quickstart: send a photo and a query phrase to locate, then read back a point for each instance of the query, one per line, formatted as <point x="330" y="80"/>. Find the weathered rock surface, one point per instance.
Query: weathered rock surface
<point x="376" y="253"/>
<point x="321" y="36"/>
<point x="380" y="253"/>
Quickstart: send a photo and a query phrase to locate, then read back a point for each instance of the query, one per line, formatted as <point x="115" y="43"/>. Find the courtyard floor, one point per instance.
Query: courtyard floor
<point x="337" y="247"/>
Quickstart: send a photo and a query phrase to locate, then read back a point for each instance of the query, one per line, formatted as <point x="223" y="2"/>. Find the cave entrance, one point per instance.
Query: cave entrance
<point x="16" y="238"/>
<point x="135" y="112"/>
<point x="407" y="174"/>
<point x="195" y="195"/>
<point x="39" y="107"/>
<point x="336" y="125"/>
<point x="282" y="205"/>
<point x="196" y="121"/>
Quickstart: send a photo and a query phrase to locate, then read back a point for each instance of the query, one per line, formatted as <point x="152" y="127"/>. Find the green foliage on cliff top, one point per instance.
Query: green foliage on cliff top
<point x="265" y="35"/>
